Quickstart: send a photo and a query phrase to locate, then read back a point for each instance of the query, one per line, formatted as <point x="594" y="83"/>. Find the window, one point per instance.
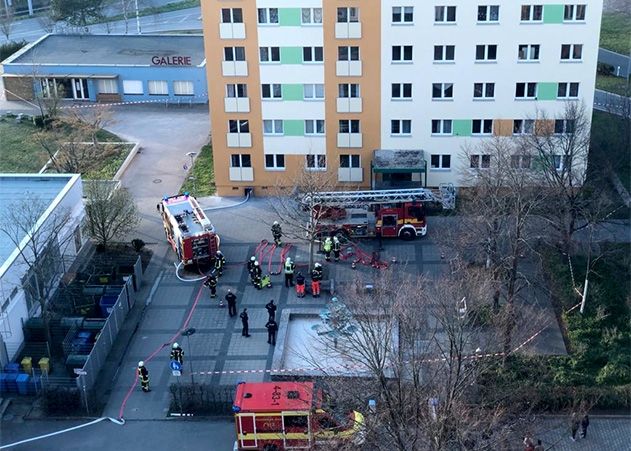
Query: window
<point x="442" y="90"/>
<point x="183" y="88"/>
<point x="268" y="16"/>
<point x="312" y="54"/>
<point x="528" y="52"/>
<point x="158" y="88"/>
<point x="482" y="127"/>
<point x="132" y="87"/>
<point x="402" y="90"/>
<point x="402" y="14"/>
<point x="483" y="90"/>
<point x="315" y="163"/>
<point x="488" y="13"/>
<point x="276" y="161"/>
<point x="567" y="91"/>
<point x="440" y="162"/>
<point x="269" y="54"/>
<point x="563" y="126"/>
<point x="311" y="16"/>
<point x="520" y="161"/>
<point x="526" y="90"/>
<point x="271" y="91"/>
<point x="314" y="127"/>
<point x="574" y="13"/>
<point x="523" y="126"/>
<point x="350" y="161"/>
<point x="561" y="161"/>
<point x="239" y="126"/>
<point x="572" y="52"/>
<point x="444" y="52"/>
<point x="107" y="86"/>
<point x="348" y="53"/>
<point x="237" y="90"/>
<point x="401" y="53"/>
<point x="401" y="127"/>
<point x="313" y="91"/>
<point x="272" y="127"/>
<point x="531" y="13"/>
<point x="346" y="15"/>
<point x="480" y="161"/>
<point x="441" y="126"/>
<point x="240" y="160"/>
<point x="346" y="90"/>
<point x="231" y="15"/>
<point x="349" y="126"/>
<point x="234" y="53"/>
<point x="444" y="14"/>
<point x="486" y="52"/>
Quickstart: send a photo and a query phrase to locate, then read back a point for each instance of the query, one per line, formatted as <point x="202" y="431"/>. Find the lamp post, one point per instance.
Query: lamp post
<point x="187" y="333"/>
<point x="138" y="31"/>
<point x="191" y="155"/>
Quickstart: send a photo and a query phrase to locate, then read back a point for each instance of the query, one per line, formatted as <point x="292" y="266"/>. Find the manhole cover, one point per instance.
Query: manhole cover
<point x="157" y="180"/>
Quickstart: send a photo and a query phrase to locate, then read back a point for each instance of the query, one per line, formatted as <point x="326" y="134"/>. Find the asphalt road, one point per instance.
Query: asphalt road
<point x="612" y="103"/>
<point x="621" y="63"/>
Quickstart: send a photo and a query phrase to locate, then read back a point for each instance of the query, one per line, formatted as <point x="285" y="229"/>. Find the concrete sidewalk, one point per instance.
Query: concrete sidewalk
<point x="603" y="433"/>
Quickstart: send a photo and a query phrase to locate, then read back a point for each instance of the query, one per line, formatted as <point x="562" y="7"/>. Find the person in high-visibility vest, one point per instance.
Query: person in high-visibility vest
<point x="277" y="233"/>
<point x="289" y="272"/>
<point x="143" y="375"/>
<point x="220" y="262"/>
<point x="337" y="247"/>
<point x="177" y="353"/>
<point x="316" y="277"/>
<point x="326" y="247"/>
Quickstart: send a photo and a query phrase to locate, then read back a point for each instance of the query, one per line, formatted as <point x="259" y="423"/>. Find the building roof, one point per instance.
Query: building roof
<point x="15" y="188"/>
<point x="274" y="396"/>
<point x="110" y="49"/>
<point x="387" y="160"/>
<point x="186" y="215"/>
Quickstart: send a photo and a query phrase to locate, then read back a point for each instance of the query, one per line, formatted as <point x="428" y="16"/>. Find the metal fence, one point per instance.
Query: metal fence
<point x="87" y="375"/>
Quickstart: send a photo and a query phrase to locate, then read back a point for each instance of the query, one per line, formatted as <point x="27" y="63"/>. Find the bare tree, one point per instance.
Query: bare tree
<point x="41" y="248"/>
<point x="298" y="210"/>
<point x="110" y="213"/>
<point x="7" y="17"/>
<point x="46" y="21"/>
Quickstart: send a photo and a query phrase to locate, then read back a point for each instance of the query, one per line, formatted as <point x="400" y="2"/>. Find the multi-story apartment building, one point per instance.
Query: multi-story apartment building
<point x="345" y="86"/>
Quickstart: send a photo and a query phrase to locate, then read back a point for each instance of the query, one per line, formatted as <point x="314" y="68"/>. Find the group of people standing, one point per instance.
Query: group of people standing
<point x="271" y="325"/>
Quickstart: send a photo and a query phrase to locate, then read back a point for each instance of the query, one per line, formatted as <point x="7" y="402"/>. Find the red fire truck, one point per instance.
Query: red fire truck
<point x="275" y="416"/>
<point x="393" y="213"/>
<point x="188" y="229"/>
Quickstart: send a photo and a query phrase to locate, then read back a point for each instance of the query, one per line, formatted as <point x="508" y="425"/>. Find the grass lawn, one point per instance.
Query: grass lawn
<point x="176" y="6"/>
<point x="204" y="173"/>
<point x="617" y="85"/>
<point x="615" y="32"/>
<point x="18" y="151"/>
<point x="110" y="165"/>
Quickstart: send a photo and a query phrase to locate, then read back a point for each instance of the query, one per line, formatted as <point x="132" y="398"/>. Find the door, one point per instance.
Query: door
<point x="296" y="430"/>
<point x="247" y="430"/>
<point x="389" y="225"/>
<point x="80" y="88"/>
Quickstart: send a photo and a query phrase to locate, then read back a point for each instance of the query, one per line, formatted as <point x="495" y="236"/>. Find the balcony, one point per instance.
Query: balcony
<point x="241" y="174"/>
<point x="232" y="30"/>
<point x="348" y="30"/>
<point x="234" y="68"/>
<point x="236" y="104"/>
<point x="348" y="68"/>
<point x="349" y="104"/>
<point x="350" y="175"/>
<point x="349" y="140"/>
<point x="239" y="139"/>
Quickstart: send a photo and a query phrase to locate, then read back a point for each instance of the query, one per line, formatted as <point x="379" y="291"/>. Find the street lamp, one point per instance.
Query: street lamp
<point x="187" y="333"/>
<point x="138" y="31"/>
<point x="191" y="155"/>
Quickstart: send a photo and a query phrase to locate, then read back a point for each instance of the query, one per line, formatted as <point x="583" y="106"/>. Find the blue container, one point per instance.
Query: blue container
<point x="3" y="382"/>
<point x="10" y="381"/>
<point x="33" y="384"/>
<point x="12" y="368"/>
<point x="106" y="304"/>
<point x="22" y="383"/>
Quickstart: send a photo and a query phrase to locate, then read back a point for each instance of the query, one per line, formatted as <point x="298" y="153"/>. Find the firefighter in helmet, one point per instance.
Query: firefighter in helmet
<point x="211" y="283"/>
<point x="289" y="268"/>
<point x="251" y="264"/>
<point x="143" y="375"/>
<point x="220" y="263"/>
<point x="337" y="247"/>
<point x="255" y="276"/>
<point x="316" y="277"/>
<point x="177" y="353"/>
<point x="326" y="247"/>
<point x="277" y="233"/>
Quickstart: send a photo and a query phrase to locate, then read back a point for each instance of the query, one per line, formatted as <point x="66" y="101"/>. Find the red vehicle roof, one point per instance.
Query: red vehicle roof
<point x="275" y="396"/>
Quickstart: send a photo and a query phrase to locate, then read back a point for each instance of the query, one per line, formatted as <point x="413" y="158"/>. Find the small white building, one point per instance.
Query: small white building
<point x="58" y="195"/>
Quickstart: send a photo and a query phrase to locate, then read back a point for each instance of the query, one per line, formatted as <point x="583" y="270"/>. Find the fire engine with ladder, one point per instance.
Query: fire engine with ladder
<point x="276" y="416"/>
<point x="187" y="228"/>
<point x="393" y="213"/>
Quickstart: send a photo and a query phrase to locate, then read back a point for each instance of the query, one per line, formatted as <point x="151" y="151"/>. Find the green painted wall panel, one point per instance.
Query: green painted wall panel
<point x="291" y="55"/>
<point x="462" y="127"/>
<point x="289" y="17"/>
<point x="553" y="13"/>
<point x="294" y="127"/>
<point x="293" y="92"/>
<point x="547" y="91"/>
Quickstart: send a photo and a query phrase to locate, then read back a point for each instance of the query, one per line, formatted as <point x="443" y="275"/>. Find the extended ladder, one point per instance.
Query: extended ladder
<point x="446" y="196"/>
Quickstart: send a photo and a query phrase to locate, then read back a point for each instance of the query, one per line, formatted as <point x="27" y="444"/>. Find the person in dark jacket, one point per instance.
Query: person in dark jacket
<point x="245" y="330"/>
<point x="271" y="309"/>
<point x="211" y="283"/>
<point x="272" y="328"/>
<point x="143" y="375"/>
<point x="255" y="275"/>
<point x="231" y="299"/>
<point x="584" y="424"/>
<point x="337" y="247"/>
<point x="220" y="263"/>
<point x="316" y="277"/>
<point x="251" y="265"/>
<point x="177" y="353"/>
<point x="300" y="285"/>
<point x="277" y="233"/>
<point x="289" y="268"/>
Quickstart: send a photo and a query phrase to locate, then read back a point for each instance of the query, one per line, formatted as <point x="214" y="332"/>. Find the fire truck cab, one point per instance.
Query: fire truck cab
<point x="188" y="229"/>
<point x="275" y="416"/>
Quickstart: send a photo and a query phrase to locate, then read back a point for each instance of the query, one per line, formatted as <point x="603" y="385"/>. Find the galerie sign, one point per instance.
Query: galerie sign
<point x="171" y="60"/>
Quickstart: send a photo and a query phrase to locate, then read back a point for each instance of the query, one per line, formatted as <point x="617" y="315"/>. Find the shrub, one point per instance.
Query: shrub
<point x="9" y="48"/>
<point x="62" y="401"/>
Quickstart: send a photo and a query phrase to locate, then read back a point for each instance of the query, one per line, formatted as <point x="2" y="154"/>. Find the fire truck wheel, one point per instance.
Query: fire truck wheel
<point x="341" y="234"/>
<point x="270" y="447"/>
<point x="407" y="234"/>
